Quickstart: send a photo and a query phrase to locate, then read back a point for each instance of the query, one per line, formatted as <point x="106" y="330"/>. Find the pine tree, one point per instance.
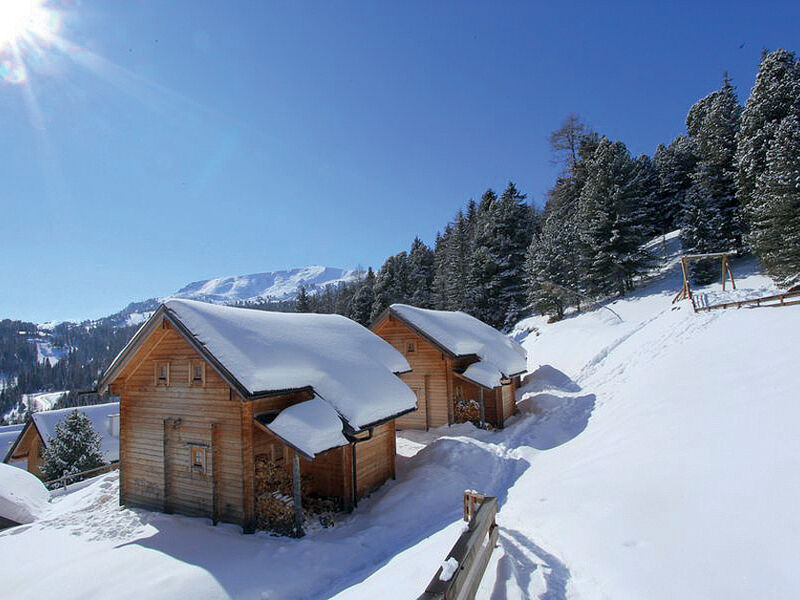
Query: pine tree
<point x="502" y="236"/>
<point x="551" y="267"/>
<point x="391" y="284"/>
<point x="609" y="227"/>
<point x="302" y="303"/>
<point x="775" y="235"/>
<point x="675" y="165"/>
<point x="360" y="308"/>
<point x="419" y="276"/>
<point x="74" y="448"/>
<point x="712" y="124"/>
<point x="775" y="96"/>
<point x="699" y="232"/>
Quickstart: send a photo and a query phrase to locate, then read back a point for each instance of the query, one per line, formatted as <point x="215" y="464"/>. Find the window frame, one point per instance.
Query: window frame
<point x="197" y="382"/>
<point x="202" y="451"/>
<point x="157" y="374"/>
<point x="411" y="346"/>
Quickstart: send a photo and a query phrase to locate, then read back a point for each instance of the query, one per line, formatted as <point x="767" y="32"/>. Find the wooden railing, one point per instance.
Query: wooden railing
<point x="63" y="482"/>
<point x="469" y="556"/>
<point x="786" y="299"/>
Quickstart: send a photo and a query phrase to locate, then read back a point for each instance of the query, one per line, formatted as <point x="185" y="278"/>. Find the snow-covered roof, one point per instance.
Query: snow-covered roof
<point x="461" y="335"/>
<point x="312" y="427"/>
<point x="8" y="435"/>
<point x="98" y="414"/>
<point x="348" y="366"/>
<point x="23" y="498"/>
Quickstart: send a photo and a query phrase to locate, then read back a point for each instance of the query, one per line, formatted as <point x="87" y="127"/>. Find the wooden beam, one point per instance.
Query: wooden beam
<point x="297" y="496"/>
<point x="216" y="469"/>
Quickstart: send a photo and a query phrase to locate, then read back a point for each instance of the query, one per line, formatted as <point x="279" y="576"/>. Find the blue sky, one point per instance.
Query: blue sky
<point x="165" y="142"/>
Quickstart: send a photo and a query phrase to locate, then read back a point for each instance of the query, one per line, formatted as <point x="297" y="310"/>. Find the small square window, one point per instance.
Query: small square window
<point x="197" y="372"/>
<point x="162" y="373"/>
<point x="411" y="347"/>
<point x="198" y="458"/>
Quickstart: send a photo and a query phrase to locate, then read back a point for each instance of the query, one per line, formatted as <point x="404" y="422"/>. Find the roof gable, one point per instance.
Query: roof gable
<point x="459" y="335"/>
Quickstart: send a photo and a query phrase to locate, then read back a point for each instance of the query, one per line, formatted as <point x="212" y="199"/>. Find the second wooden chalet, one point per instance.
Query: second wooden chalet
<point x="211" y="394"/>
<point x="455" y="359"/>
<point x="28" y="448"/>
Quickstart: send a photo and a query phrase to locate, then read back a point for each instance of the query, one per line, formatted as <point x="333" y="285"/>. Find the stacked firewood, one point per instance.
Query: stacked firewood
<point x="467" y="410"/>
<point x="273" y="491"/>
<point x="275" y="503"/>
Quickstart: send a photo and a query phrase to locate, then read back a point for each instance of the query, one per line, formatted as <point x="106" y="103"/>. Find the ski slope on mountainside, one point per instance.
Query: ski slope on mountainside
<point x="655" y="456"/>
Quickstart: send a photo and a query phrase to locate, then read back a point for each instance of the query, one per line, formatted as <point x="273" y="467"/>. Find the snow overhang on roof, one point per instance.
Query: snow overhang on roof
<point x="462" y="335"/>
<point x="310" y="427"/>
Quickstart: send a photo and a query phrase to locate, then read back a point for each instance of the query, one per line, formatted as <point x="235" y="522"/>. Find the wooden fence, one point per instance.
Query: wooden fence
<point x="63" y="482"/>
<point x="470" y="554"/>
<point x="787" y="299"/>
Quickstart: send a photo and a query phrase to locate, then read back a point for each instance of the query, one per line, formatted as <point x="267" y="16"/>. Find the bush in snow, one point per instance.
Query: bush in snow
<point x="74" y="448"/>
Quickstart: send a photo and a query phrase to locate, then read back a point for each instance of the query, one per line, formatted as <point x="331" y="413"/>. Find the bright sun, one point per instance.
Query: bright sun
<point x="21" y="20"/>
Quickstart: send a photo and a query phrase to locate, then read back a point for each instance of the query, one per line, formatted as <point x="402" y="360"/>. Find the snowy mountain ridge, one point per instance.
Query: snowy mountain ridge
<point x="275" y="285"/>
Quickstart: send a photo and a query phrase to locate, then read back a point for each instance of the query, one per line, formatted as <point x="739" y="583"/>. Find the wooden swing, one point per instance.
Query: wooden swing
<point x="686" y="291"/>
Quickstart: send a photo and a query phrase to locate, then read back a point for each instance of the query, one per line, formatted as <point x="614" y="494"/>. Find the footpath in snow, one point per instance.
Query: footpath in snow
<point x="655" y="456"/>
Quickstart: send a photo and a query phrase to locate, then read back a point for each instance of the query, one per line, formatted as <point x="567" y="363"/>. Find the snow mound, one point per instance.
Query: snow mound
<point x="462" y="335"/>
<point x="23" y="498"/>
<point x="348" y="366"/>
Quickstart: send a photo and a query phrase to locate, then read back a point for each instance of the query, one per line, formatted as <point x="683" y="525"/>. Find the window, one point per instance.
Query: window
<point x="162" y="373"/>
<point x="198" y="459"/>
<point x="197" y="372"/>
<point x="411" y="347"/>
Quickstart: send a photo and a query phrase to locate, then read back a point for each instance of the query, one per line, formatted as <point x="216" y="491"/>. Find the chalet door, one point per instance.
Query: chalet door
<point x="188" y="469"/>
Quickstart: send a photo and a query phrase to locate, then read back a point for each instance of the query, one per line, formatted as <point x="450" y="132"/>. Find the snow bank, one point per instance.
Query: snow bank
<point x="348" y="366"/>
<point x="98" y="414"/>
<point x="463" y="334"/>
<point x="311" y="427"/>
<point x="23" y="498"/>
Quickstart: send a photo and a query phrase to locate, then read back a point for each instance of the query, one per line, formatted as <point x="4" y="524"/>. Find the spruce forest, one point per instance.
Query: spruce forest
<point x="730" y="183"/>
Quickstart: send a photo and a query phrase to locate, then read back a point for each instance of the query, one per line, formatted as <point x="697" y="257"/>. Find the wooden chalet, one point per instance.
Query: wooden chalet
<point x="207" y="391"/>
<point x="28" y="448"/>
<point x="455" y="359"/>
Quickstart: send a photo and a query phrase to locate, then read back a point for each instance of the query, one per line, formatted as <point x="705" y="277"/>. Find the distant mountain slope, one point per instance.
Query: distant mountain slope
<point x="276" y="285"/>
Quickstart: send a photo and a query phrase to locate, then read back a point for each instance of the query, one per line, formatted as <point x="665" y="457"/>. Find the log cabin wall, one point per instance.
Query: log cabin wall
<point x="429" y="378"/>
<point x="30" y="448"/>
<point x="160" y="422"/>
<point x="375" y="459"/>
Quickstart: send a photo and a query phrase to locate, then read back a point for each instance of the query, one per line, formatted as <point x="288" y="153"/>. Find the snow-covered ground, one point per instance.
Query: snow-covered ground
<point x="655" y="456"/>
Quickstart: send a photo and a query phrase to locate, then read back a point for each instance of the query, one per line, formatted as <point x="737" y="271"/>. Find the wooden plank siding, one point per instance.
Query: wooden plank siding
<point x="160" y="422"/>
<point x="429" y="376"/>
<point x="192" y="410"/>
<point x="30" y="447"/>
<point x="434" y="383"/>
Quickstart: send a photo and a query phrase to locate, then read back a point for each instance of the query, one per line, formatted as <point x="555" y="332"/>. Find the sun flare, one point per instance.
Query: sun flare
<point x="20" y="19"/>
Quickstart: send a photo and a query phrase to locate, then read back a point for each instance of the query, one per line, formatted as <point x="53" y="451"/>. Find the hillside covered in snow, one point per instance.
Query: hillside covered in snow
<point x="655" y="456"/>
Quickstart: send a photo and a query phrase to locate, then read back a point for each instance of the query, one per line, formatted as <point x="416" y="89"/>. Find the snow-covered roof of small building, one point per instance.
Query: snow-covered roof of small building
<point x="8" y="435"/>
<point x="98" y="414"/>
<point x="312" y="427"/>
<point x="348" y="366"/>
<point x="23" y="498"/>
<point x="462" y="335"/>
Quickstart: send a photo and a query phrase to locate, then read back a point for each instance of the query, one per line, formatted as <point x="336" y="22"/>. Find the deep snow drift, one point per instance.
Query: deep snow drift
<point x="656" y="456"/>
<point x="23" y="498"/>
